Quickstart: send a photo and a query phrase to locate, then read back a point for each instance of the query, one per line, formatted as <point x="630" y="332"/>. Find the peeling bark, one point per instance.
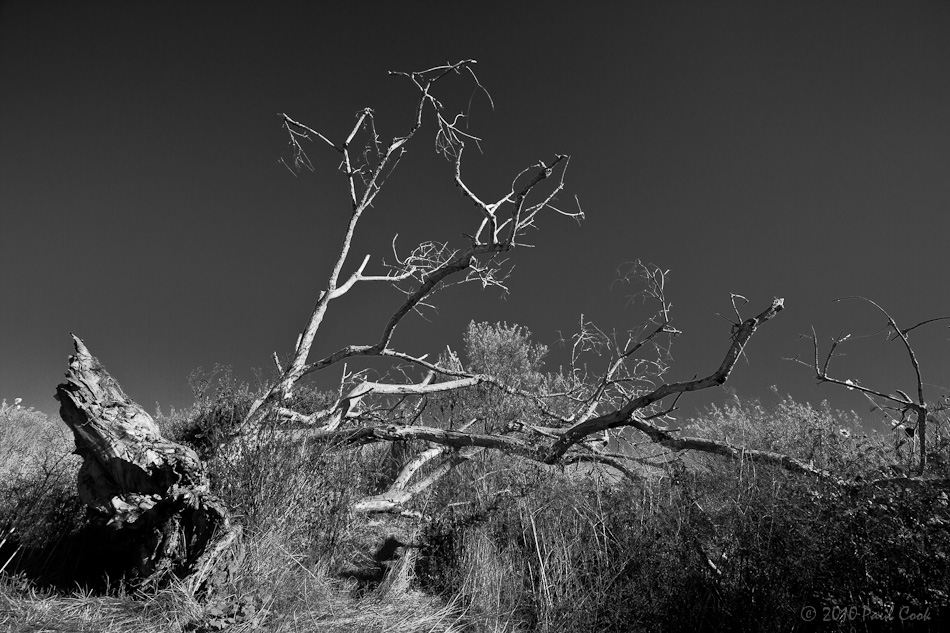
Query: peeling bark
<point x="151" y="494"/>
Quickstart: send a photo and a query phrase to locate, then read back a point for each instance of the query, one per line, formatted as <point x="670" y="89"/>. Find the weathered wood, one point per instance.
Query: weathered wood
<point x="152" y="494"/>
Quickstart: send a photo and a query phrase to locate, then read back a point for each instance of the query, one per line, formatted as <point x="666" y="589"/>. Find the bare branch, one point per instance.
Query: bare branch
<point x="625" y="416"/>
<point x="431" y="280"/>
<point x="292" y="126"/>
<point x="907" y="346"/>
<point x="603" y="459"/>
<point x="455" y="439"/>
<point x="914" y="327"/>
<point x="905" y="402"/>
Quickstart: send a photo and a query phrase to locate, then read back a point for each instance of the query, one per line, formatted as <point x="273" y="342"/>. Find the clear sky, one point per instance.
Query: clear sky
<point x="794" y="149"/>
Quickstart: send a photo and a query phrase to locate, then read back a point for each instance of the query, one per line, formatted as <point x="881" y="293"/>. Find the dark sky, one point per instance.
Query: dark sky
<point x="794" y="149"/>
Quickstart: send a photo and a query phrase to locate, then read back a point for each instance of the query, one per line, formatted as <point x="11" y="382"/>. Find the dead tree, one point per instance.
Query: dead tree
<point x="908" y="415"/>
<point x="155" y="491"/>
<point x="624" y="396"/>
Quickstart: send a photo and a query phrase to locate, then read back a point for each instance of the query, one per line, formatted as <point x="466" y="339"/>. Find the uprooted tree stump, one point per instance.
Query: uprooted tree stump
<point x="149" y="494"/>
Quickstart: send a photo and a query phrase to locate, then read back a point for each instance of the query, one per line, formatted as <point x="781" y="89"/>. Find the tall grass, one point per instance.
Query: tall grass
<point x="746" y="546"/>
<point x="513" y="545"/>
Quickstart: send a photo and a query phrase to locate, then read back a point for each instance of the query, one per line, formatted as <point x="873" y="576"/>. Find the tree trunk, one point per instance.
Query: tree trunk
<point x="151" y="495"/>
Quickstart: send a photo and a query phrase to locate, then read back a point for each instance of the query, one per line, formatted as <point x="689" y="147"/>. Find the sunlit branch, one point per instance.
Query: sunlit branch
<point x="625" y="416"/>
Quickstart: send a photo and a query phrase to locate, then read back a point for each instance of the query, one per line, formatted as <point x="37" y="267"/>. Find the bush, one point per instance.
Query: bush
<point x="520" y="546"/>
<point x="281" y="489"/>
<point x="40" y="514"/>
<point x="745" y="546"/>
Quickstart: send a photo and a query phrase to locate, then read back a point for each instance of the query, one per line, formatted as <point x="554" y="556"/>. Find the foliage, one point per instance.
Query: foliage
<point x="506" y="352"/>
<point x="40" y="516"/>
<point x="829" y="439"/>
<point x="513" y="545"/>
<point x="501" y="350"/>
<point x="746" y="546"/>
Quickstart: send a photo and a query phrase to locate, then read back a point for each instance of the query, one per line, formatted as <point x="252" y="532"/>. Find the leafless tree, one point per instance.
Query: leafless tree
<point x="629" y="392"/>
<point x="575" y="420"/>
<point x="908" y="415"/>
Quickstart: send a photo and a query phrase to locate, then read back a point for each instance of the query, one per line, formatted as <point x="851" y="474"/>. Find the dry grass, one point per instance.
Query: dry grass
<point x="516" y="547"/>
<point x="24" y="608"/>
<point x="293" y="597"/>
<point x="275" y="591"/>
<point x="171" y="611"/>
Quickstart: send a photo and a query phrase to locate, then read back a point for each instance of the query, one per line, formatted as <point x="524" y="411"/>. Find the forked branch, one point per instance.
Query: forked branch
<point x="429" y="267"/>
<point x="899" y="400"/>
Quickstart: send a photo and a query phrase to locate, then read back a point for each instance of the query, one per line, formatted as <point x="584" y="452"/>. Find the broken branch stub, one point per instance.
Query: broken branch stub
<point x="151" y="494"/>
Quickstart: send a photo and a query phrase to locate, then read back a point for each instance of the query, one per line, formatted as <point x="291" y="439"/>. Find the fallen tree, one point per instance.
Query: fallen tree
<point x="569" y="418"/>
<point x="154" y="493"/>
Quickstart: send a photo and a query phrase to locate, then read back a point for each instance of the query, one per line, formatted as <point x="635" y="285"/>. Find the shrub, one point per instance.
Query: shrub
<point x="40" y="513"/>
<point x="745" y="545"/>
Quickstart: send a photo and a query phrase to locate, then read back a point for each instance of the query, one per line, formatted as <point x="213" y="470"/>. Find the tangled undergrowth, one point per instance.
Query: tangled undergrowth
<point x="511" y="546"/>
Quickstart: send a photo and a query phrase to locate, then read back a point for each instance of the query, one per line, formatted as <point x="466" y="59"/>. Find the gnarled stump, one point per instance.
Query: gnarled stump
<point x="152" y="494"/>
